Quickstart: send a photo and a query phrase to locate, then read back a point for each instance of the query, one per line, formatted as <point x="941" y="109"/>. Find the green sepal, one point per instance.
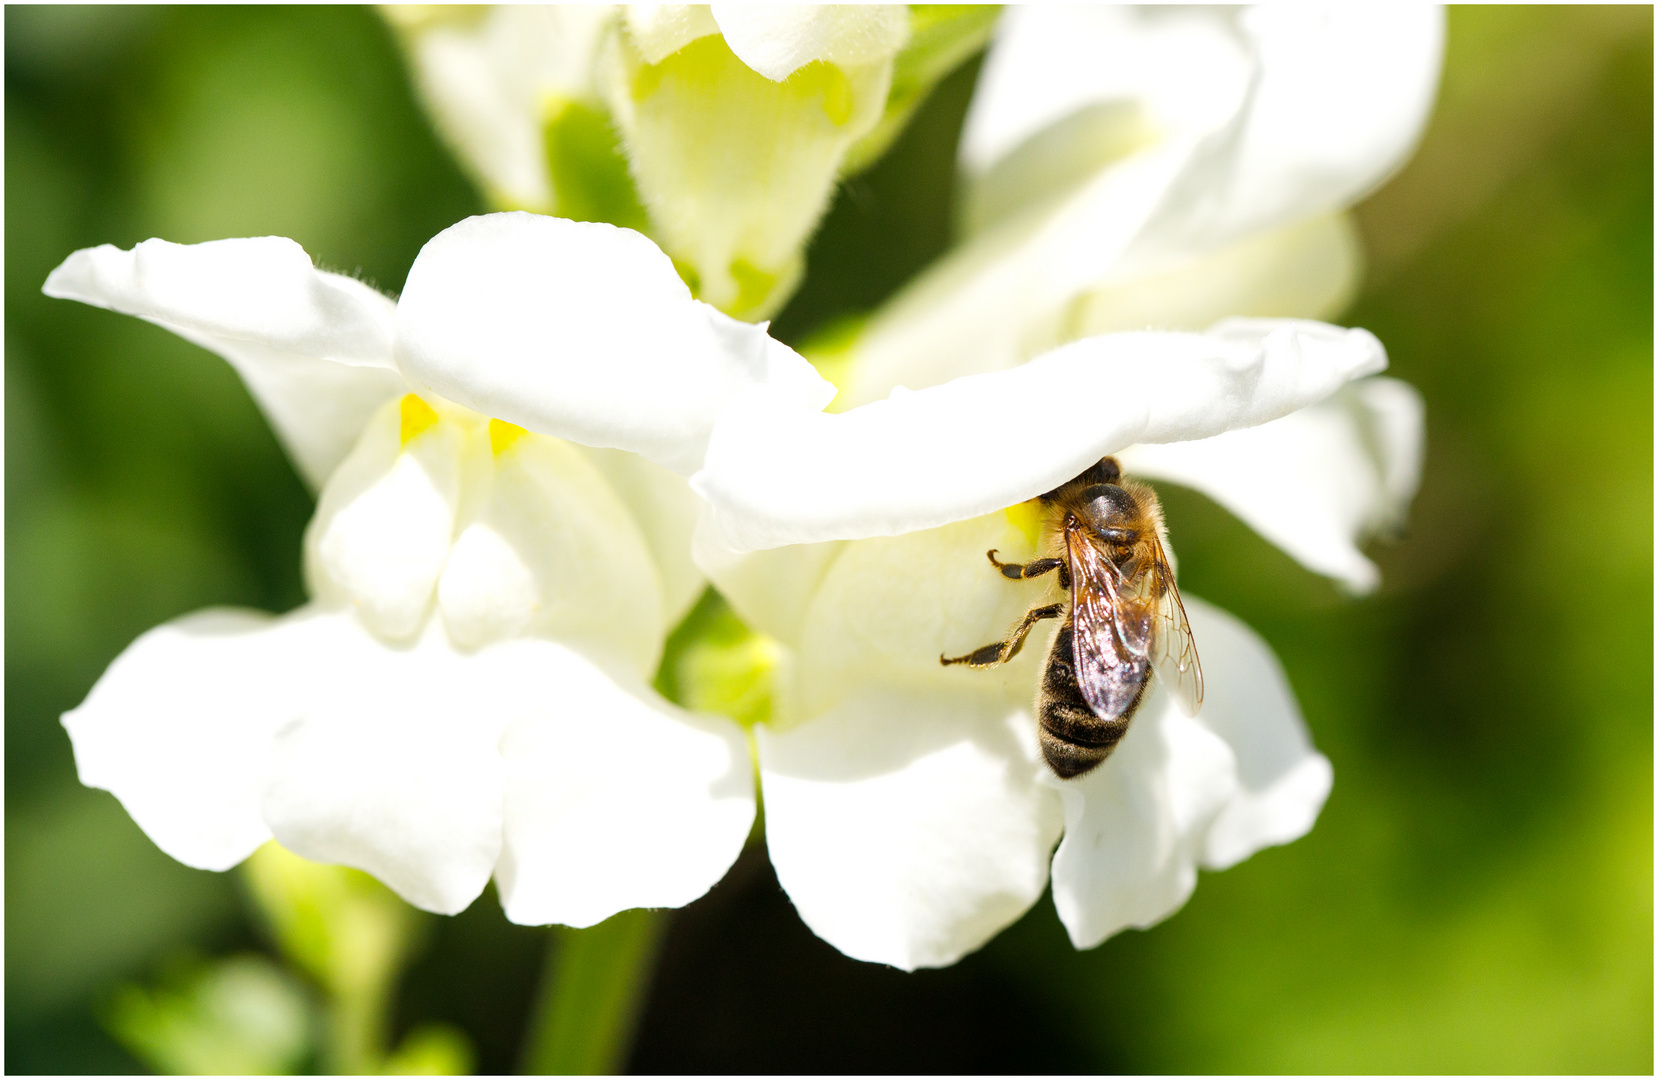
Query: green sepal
<point x="587" y="167"/>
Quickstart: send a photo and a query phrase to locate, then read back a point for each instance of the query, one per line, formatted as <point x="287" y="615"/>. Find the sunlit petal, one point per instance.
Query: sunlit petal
<point x="393" y="768"/>
<point x="486" y="78"/>
<point x="1135" y="826"/>
<point x="908" y="828"/>
<point x="179" y="725"/>
<point x="616" y="799"/>
<point x="1316" y="482"/>
<point x="778" y="39"/>
<point x="581" y="331"/>
<point x="385" y="521"/>
<point x="313" y="347"/>
<point x="549" y="551"/>
<point x="922" y="459"/>
<point x="1282" y="781"/>
<point x="665" y="509"/>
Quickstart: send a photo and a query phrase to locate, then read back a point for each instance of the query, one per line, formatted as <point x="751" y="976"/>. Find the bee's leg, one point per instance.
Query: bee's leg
<point x="1000" y="652"/>
<point x="1016" y="571"/>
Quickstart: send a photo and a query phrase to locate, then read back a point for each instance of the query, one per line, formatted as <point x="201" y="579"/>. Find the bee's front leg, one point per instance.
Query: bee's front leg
<point x="1034" y="568"/>
<point x="1000" y="652"/>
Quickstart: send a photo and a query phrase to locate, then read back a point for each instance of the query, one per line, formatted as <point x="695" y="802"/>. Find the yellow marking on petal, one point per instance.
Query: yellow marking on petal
<point x="502" y="435"/>
<point x="1027" y="518"/>
<point x="418" y="417"/>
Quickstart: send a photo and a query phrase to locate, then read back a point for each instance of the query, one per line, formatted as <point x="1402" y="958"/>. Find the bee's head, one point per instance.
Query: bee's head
<point x="1104" y="471"/>
<point x="1107" y="506"/>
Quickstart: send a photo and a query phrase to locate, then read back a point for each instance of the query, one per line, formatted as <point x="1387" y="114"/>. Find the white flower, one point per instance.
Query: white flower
<point x="719" y="130"/>
<point x="466" y="694"/>
<point x="1126" y="168"/>
<point x="1169" y="167"/>
<point x="908" y="812"/>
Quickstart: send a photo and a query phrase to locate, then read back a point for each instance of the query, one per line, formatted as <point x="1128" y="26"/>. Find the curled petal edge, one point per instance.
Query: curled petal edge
<point x="921" y="459"/>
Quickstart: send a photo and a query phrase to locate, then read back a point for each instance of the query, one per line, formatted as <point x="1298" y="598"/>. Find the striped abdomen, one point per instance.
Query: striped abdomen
<point x="1073" y="738"/>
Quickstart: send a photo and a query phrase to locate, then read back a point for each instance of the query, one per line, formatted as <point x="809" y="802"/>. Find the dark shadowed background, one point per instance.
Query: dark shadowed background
<point x="1476" y="897"/>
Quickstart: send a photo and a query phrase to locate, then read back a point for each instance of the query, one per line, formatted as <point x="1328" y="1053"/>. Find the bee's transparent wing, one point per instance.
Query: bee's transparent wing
<point x="1173" y="653"/>
<point x="1111" y="637"/>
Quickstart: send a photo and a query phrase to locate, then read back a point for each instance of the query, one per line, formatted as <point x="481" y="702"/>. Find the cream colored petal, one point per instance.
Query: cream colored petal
<point x="887" y="608"/>
<point x="777" y="40"/>
<point x="734" y="168"/>
<point x="769" y="589"/>
<point x="1316" y="482"/>
<point x="665" y="509"/>
<point x="386" y="519"/>
<point x="908" y="828"/>
<point x="551" y="552"/>
<point x="1308" y="270"/>
<point x="486" y="81"/>
<point x="660" y="30"/>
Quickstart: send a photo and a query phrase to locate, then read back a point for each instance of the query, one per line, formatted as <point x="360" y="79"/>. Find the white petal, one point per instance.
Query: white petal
<point x="1307" y="270"/>
<point x="660" y="30"/>
<point x="552" y="552"/>
<point x="394" y="767"/>
<point x="1184" y="68"/>
<point x="1109" y="147"/>
<point x="1003" y="298"/>
<point x="769" y="589"/>
<point x="665" y="509"/>
<point x="1316" y="482"/>
<point x="1135" y="826"/>
<point x="778" y="39"/>
<point x="887" y="608"/>
<point x="908" y="828"/>
<point x="486" y="83"/>
<point x="313" y="347"/>
<point x="614" y="799"/>
<point x="922" y="459"/>
<point x="1301" y="109"/>
<point x="178" y="726"/>
<point x="1282" y="780"/>
<point x="385" y="521"/>
<point x="1341" y="95"/>
<point x="582" y="331"/>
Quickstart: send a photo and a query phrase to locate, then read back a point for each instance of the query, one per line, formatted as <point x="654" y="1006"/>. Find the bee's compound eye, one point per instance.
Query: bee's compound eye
<point x="1107" y="506"/>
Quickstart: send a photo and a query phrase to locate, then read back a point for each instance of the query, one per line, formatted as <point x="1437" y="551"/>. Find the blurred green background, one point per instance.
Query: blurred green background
<point x="1476" y="897"/>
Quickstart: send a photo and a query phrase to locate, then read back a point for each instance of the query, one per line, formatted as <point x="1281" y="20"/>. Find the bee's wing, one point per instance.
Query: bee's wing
<point x="1111" y="636"/>
<point x="1173" y="653"/>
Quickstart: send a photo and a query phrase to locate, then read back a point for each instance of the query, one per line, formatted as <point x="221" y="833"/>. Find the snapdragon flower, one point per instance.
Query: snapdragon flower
<point x="1125" y="168"/>
<point x="719" y="130"/>
<point x="466" y="694"/>
<point x="908" y="811"/>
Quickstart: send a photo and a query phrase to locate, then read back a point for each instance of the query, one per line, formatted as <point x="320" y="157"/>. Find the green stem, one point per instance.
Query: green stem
<point x="591" y="994"/>
<point x="356" y="1031"/>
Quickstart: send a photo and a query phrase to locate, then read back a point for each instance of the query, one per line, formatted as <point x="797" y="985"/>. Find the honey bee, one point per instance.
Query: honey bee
<point x="1123" y="619"/>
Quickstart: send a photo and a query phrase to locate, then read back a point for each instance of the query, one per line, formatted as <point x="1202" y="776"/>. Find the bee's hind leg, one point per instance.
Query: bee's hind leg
<point x="1000" y="652"/>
